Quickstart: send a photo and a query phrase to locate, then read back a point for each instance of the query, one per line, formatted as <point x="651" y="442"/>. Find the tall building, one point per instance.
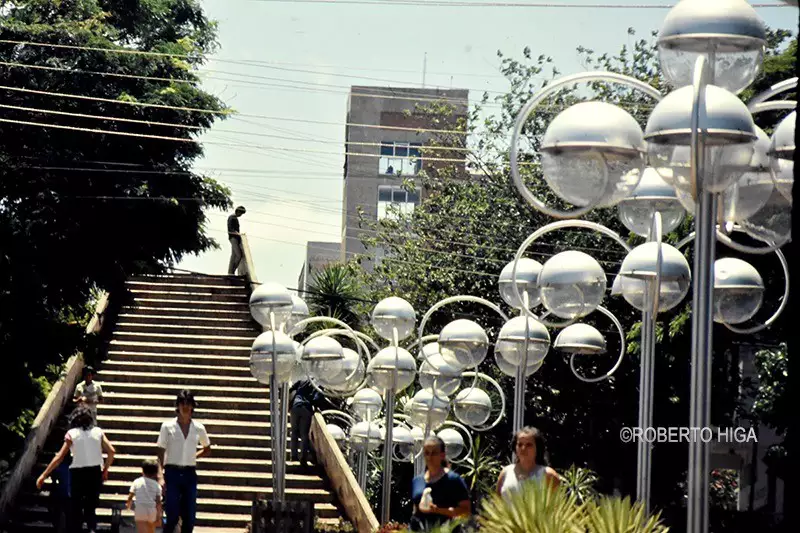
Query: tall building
<point x="383" y="149"/>
<point x="318" y="256"/>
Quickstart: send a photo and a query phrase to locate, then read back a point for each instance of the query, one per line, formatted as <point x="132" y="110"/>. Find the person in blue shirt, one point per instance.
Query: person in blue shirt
<point x="302" y="399"/>
<point x="449" y="495"/>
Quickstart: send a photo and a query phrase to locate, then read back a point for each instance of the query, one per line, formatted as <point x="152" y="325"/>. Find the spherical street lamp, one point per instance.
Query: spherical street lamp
<point x="392" y="368"/>
<point x="322" y="358"/>
<point x="393" y="313"/>
<point x="349" y="376"/>
<point x="472" y="406"/>
<point x="738" y="291"/>
<point x="436" y="373"/>
<point x="572" y="284"/>
<point x="581" y="339"/>
<point x="519" y="333"/>
<point x="428" y="409"/>
<point x="593" y="154"/>
<point x="365" y="436"/>
<point x="453" y="442"/>
<point x="299" y="313"/>
<point x="641" y="266"/>
<point x="652" y="195"/>
<point x="263" y="351"/>
<point x="527" y="283"/>
<point x="463" y="344"/>
<point x="728" y="32"/>
<point x="366" y="404"/>
<point x="511" y="370"/>
<point x="728" y="136"/>
<point x="337" y="433"/>
<point x="271" y="299"/>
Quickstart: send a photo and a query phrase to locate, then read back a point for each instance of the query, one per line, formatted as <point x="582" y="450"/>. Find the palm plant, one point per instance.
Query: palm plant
<point x="534" y="508"/>
<point x="620" y="515"/>
<point x="336" y="291"/>
<point x="482" y="469"/>
<point x="580" y="482"/>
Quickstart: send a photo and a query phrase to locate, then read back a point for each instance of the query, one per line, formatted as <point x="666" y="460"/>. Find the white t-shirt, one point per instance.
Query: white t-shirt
<point x="92" y="391"/>
<point x="146" y="491"/>
<point x="180" y="450"/>
<point x="512" y="482"/>
<point x="86" y="446"/>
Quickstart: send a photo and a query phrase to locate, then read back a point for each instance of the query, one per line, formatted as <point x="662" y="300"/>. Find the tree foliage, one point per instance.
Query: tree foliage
<point x="80" y="210"/>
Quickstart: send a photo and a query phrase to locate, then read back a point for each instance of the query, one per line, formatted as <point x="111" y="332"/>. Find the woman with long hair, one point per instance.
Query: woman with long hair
<point x="530" y="464"/>
<point x="87" y="443"/>
<point x="439" y="495"/>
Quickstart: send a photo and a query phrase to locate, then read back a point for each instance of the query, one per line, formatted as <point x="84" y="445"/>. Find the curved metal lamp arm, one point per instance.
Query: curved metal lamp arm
<point x="775" y="90"/>
<point x="544" y="230"/>
<point x="554" y="86"/>
<point x="619" y="359"/>
<point x="340" y="414"/>
<point x="775" y="105"/>
<point x="465" y="431"/>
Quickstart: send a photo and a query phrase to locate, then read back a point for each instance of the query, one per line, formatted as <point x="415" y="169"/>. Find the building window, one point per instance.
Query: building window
<point x="402" y="200"/>
<point x="400" y="159"/>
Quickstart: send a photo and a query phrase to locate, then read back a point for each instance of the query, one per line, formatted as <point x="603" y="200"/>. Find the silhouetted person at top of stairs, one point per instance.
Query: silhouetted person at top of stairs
<point x="235" y="238"/>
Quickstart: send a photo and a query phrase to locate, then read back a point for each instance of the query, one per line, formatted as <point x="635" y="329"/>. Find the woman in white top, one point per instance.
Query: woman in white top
<point x="87" y="471"/>
<point x="529" y="447"/>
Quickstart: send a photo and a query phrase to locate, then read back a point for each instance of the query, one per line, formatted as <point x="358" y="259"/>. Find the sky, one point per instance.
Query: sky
<point x="286" y="68"/>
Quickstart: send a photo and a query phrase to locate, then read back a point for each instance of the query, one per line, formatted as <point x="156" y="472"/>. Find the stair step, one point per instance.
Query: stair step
<point x="209" y="404"/>
<point x="226" y="477"/>
<point x="172" y="328"/>
<point x="148" y="448"/>
<point x="217" y="462"/>
<point x="202" y="297"/>
<point x="168" y="347"/>
<point x="154" y="423"/>
<point x="182" y="358"/>
<point x="106" y="409"/>
<point x="247" y="492"/>
<point x="182" y="378"/>
<point x="165" y="310"/>
<point x="245" y="341"/>
<point x="104" y="515"/>
<point x="173" y="389"/>
<point x="150" y="434"/>
<point x="207" y="305"/>
<point x="211" y="321"/>
<point x="202" y="279"/>
<point x="179" y="286"/>
<point x="127" y="365"/>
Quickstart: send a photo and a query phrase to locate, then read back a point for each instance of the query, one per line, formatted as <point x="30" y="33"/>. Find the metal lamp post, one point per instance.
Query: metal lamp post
<point x="701" y="140"/>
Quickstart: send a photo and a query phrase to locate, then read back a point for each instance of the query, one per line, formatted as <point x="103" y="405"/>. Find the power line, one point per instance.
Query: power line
<point x="442" y="3"/>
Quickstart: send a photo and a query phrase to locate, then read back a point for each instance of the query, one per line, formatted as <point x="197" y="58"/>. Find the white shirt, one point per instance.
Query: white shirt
<point x="86" y="447"/>
<point x="511" y="482"/>
<point x="92" y="391"/>
<point x="181" y="451"/>
<point x="146" y="492"/>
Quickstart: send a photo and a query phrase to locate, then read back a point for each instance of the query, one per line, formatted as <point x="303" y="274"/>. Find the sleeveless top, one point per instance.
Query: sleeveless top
<point x="512" y="483"/>
<point x="86" y="446"/>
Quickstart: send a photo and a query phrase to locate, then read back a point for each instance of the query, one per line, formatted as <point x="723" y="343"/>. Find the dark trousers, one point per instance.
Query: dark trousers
<point x="85" y="488"/>
<point x="181" y="498"/>
<point x="237" y="253"/>
<point x="301" y="424"/>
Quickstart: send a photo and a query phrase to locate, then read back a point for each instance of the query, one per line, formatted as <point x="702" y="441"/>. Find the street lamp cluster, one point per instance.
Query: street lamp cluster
<point x="699" y="151"/>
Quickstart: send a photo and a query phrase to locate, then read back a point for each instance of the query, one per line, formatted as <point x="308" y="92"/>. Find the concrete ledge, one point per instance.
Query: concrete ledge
<point x="48" y="414"/>
<point x="247" y="266"/>
<point x="343" y="482"/>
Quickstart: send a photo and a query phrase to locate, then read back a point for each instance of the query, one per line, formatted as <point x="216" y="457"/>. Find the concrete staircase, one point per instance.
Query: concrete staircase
<point x="189" y="331"/>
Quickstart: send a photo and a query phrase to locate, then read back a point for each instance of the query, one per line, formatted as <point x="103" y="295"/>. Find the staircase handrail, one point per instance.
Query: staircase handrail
<point x="48" y="415"/>
<point x="247" y="266"/>
<point x="343" y="482"/>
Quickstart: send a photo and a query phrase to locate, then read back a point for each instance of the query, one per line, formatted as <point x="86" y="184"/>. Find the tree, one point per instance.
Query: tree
<point x="81" y="210"/>
<point x="336" y="291"/>
<point x="469" y="226"/>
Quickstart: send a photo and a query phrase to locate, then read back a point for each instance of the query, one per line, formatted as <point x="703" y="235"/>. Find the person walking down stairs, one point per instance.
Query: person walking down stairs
<point x="177" y="458"/>
<point x="89" y="392"/>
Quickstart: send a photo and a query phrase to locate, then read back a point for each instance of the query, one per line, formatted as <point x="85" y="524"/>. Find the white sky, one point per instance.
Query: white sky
<point x="294" y="196"/>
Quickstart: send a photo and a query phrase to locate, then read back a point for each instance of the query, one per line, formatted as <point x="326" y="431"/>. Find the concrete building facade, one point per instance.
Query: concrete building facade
<point x="318" y="255"/>
<point x="383" y="149"/>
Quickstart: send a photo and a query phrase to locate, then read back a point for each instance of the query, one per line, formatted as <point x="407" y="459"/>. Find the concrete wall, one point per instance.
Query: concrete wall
<point x="319" y="254"/>
<point x="385" y="107"/>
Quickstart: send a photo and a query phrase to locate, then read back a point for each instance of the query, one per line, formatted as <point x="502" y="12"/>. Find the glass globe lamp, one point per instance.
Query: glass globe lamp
<point x="427" y="408"/>
<point x="581" y="339"/>
<point x="391" y="313"/>
<point x="651" y="195"/>
<point x="773" y="222"/>
<point x="403" y="443"/>
<point x="727" y="138"/>
<point x="337" y="433"/>
<point x="782" y="148"/>
<point x="511" y="341"/>
<point x="527" y="276"/>
<point x="261" y="356"/>
<point x="572" y="284"/>
<point x="299" y="313"/>
<point x="323" y="359"/>
<point x="639" y="270"/>
<point x="435" y="373"/>
<point x="271" y="298"/>
<point x="463" y="344"/>
<point x="453" y="442"/>
<point x="472" y="406"/>
<point x="729" y="33"/>
<point x="367" y="404"/>
<point x="593" y="153"/>
<point x="351" y="374"/>
<point x="365" y="436"/>
<point x="392" y="368"/>
<point x="738" y="291"/>
<point x="511" y="370"/>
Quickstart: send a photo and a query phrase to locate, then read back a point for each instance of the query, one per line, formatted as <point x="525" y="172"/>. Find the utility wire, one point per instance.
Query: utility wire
<point x="441" y="3"/>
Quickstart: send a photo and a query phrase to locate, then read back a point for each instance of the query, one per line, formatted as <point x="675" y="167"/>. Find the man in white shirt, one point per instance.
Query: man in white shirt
<point x="177" y="459"/>
<point x="89" y="392"/>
